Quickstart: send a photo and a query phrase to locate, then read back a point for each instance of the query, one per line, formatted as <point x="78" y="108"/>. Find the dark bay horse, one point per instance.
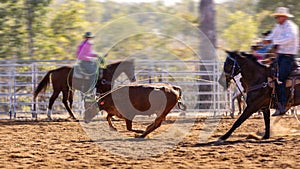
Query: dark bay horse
<point x="62" y="81"/>
<point x="259" y="93"/>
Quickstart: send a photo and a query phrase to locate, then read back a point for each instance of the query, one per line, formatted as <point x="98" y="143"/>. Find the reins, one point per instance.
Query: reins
<point x="256" y="87"/>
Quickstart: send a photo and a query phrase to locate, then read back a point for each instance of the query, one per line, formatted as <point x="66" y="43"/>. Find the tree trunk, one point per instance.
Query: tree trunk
<point x="207" y="48"/>
<point x="207" y="26"/>
<point x="30" y="19"/>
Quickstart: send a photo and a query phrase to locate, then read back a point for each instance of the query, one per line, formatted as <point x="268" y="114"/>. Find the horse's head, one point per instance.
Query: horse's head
<point x="112" y="72"/>
<point x="231" y="68"/>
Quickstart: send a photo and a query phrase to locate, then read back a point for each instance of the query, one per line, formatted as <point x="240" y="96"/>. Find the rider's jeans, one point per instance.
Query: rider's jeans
<point x="285" y="63"/>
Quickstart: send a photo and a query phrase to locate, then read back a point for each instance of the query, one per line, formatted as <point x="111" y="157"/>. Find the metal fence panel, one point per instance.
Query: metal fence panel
<point x="19" y="79"/>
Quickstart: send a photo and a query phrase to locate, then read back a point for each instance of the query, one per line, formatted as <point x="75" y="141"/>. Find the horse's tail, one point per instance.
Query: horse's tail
<point x="180" y="104"/>
<point x="42" y="85"/>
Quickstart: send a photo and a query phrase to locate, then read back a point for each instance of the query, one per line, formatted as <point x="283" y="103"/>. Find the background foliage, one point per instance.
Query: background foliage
<point x="52" y="29"/>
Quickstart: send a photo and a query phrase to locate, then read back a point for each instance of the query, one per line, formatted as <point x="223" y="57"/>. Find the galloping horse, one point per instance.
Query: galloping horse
<point x="259" y="91"/>
<point x="62" y="81"/>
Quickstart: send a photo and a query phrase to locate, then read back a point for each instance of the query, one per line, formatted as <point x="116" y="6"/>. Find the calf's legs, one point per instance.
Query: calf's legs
<point x="129" y="126"/>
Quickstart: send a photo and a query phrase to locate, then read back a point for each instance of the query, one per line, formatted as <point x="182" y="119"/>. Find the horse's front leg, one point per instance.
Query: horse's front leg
<point x="232" y="108"/>
<point x="244" y="116"/>
<point x="255" y="101"/>
<point x="266" y="113"/>
<point x="51" y="102"/>
<point x="239" y="100"/>
<point x="65" y="102"/>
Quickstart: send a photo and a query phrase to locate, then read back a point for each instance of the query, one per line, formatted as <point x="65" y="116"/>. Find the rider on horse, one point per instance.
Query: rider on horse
<point x="285" y="36"/>
<point x="261" y="48"/>
<point x="88" y="64"/>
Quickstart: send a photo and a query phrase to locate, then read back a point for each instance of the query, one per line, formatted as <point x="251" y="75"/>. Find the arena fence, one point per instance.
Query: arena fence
<point x="201" y="90"/>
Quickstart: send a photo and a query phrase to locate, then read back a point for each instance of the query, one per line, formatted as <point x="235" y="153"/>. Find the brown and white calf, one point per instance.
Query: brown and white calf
<point x="139" y="99"/>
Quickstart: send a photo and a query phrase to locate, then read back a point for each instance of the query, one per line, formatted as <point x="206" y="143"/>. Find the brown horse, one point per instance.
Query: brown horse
<point x="259" y="93"/>
<point x="62" y="81"/>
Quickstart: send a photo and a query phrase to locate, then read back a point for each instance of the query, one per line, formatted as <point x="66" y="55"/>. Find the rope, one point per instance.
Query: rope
<point x="297" y="118"/>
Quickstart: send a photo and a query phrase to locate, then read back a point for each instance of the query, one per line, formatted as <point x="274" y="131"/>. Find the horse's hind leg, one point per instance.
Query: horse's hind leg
<point x="70" y="98"/>
<point x="65" y="102"/>
<point x="266" y="113"/>
<point x="51" y="102"/>
<point x="239" y="100"/>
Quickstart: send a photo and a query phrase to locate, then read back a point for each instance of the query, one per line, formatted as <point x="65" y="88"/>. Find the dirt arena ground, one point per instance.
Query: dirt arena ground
<point x="64" y="144"/>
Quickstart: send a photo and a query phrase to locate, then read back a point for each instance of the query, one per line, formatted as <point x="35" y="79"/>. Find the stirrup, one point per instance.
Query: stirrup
<point x="278" y="82"/>
<point x="78" y="76"/>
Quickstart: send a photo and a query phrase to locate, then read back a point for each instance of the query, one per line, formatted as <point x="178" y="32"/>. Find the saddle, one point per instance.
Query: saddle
<point x="79" y="74"/>
<point x="85" y="82"/>
<point x="292" y="80"/>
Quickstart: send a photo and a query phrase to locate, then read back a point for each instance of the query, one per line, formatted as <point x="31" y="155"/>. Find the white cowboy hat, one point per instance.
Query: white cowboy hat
<point x="282" y="11"/>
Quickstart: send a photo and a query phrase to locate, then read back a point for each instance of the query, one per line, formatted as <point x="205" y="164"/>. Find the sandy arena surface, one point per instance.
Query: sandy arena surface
<point x="65" y="144"/>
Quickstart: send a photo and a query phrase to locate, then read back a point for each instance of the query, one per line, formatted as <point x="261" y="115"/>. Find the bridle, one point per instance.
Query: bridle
<point x="233" y="72"/>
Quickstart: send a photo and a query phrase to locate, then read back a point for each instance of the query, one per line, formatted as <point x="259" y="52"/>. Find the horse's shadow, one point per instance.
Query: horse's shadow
<point x="38" y="122"/>
<point x="117" y="140"/>
<point x="278" y="141"/>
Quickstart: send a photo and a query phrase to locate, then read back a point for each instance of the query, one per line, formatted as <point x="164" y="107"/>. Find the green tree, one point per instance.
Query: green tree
<point x="35" y="11"/>
<point x="67" y="27"/>
<point x="12" y="30"/>
<point x="269" y="7"/>
<point x="93" y="11"/>
<point x="20" y="24"/>
<point x="241" y="32"/>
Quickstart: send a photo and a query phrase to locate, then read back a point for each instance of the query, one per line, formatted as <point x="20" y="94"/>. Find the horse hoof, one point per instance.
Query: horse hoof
<point x="265" y="137"/>
<point x="140" y="136"/>
<point x="112" y="129"/>
<point x="73" y="119"/>
<point x="220" y="140"/>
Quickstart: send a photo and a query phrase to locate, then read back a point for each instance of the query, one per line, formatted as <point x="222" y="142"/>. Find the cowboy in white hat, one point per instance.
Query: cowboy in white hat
<point x="285" y="34"/>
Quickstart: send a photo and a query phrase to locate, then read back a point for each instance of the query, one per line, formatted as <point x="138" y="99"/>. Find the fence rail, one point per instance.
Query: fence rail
<point x="19" y="79"/>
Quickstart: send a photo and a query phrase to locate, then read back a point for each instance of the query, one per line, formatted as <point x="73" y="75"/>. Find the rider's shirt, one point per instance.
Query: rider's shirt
<point x="286" y="36"/>
<point x="85" y="52"/>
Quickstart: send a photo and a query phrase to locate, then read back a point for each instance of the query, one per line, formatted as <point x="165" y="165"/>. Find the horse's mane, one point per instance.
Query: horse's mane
<point x="120" y="61"/>
<point x="252" y="58"/>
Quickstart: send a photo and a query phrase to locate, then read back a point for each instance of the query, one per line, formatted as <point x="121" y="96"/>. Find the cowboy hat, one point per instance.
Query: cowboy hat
<point x="282" y="11"/>
<point x="88" y="35"/>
